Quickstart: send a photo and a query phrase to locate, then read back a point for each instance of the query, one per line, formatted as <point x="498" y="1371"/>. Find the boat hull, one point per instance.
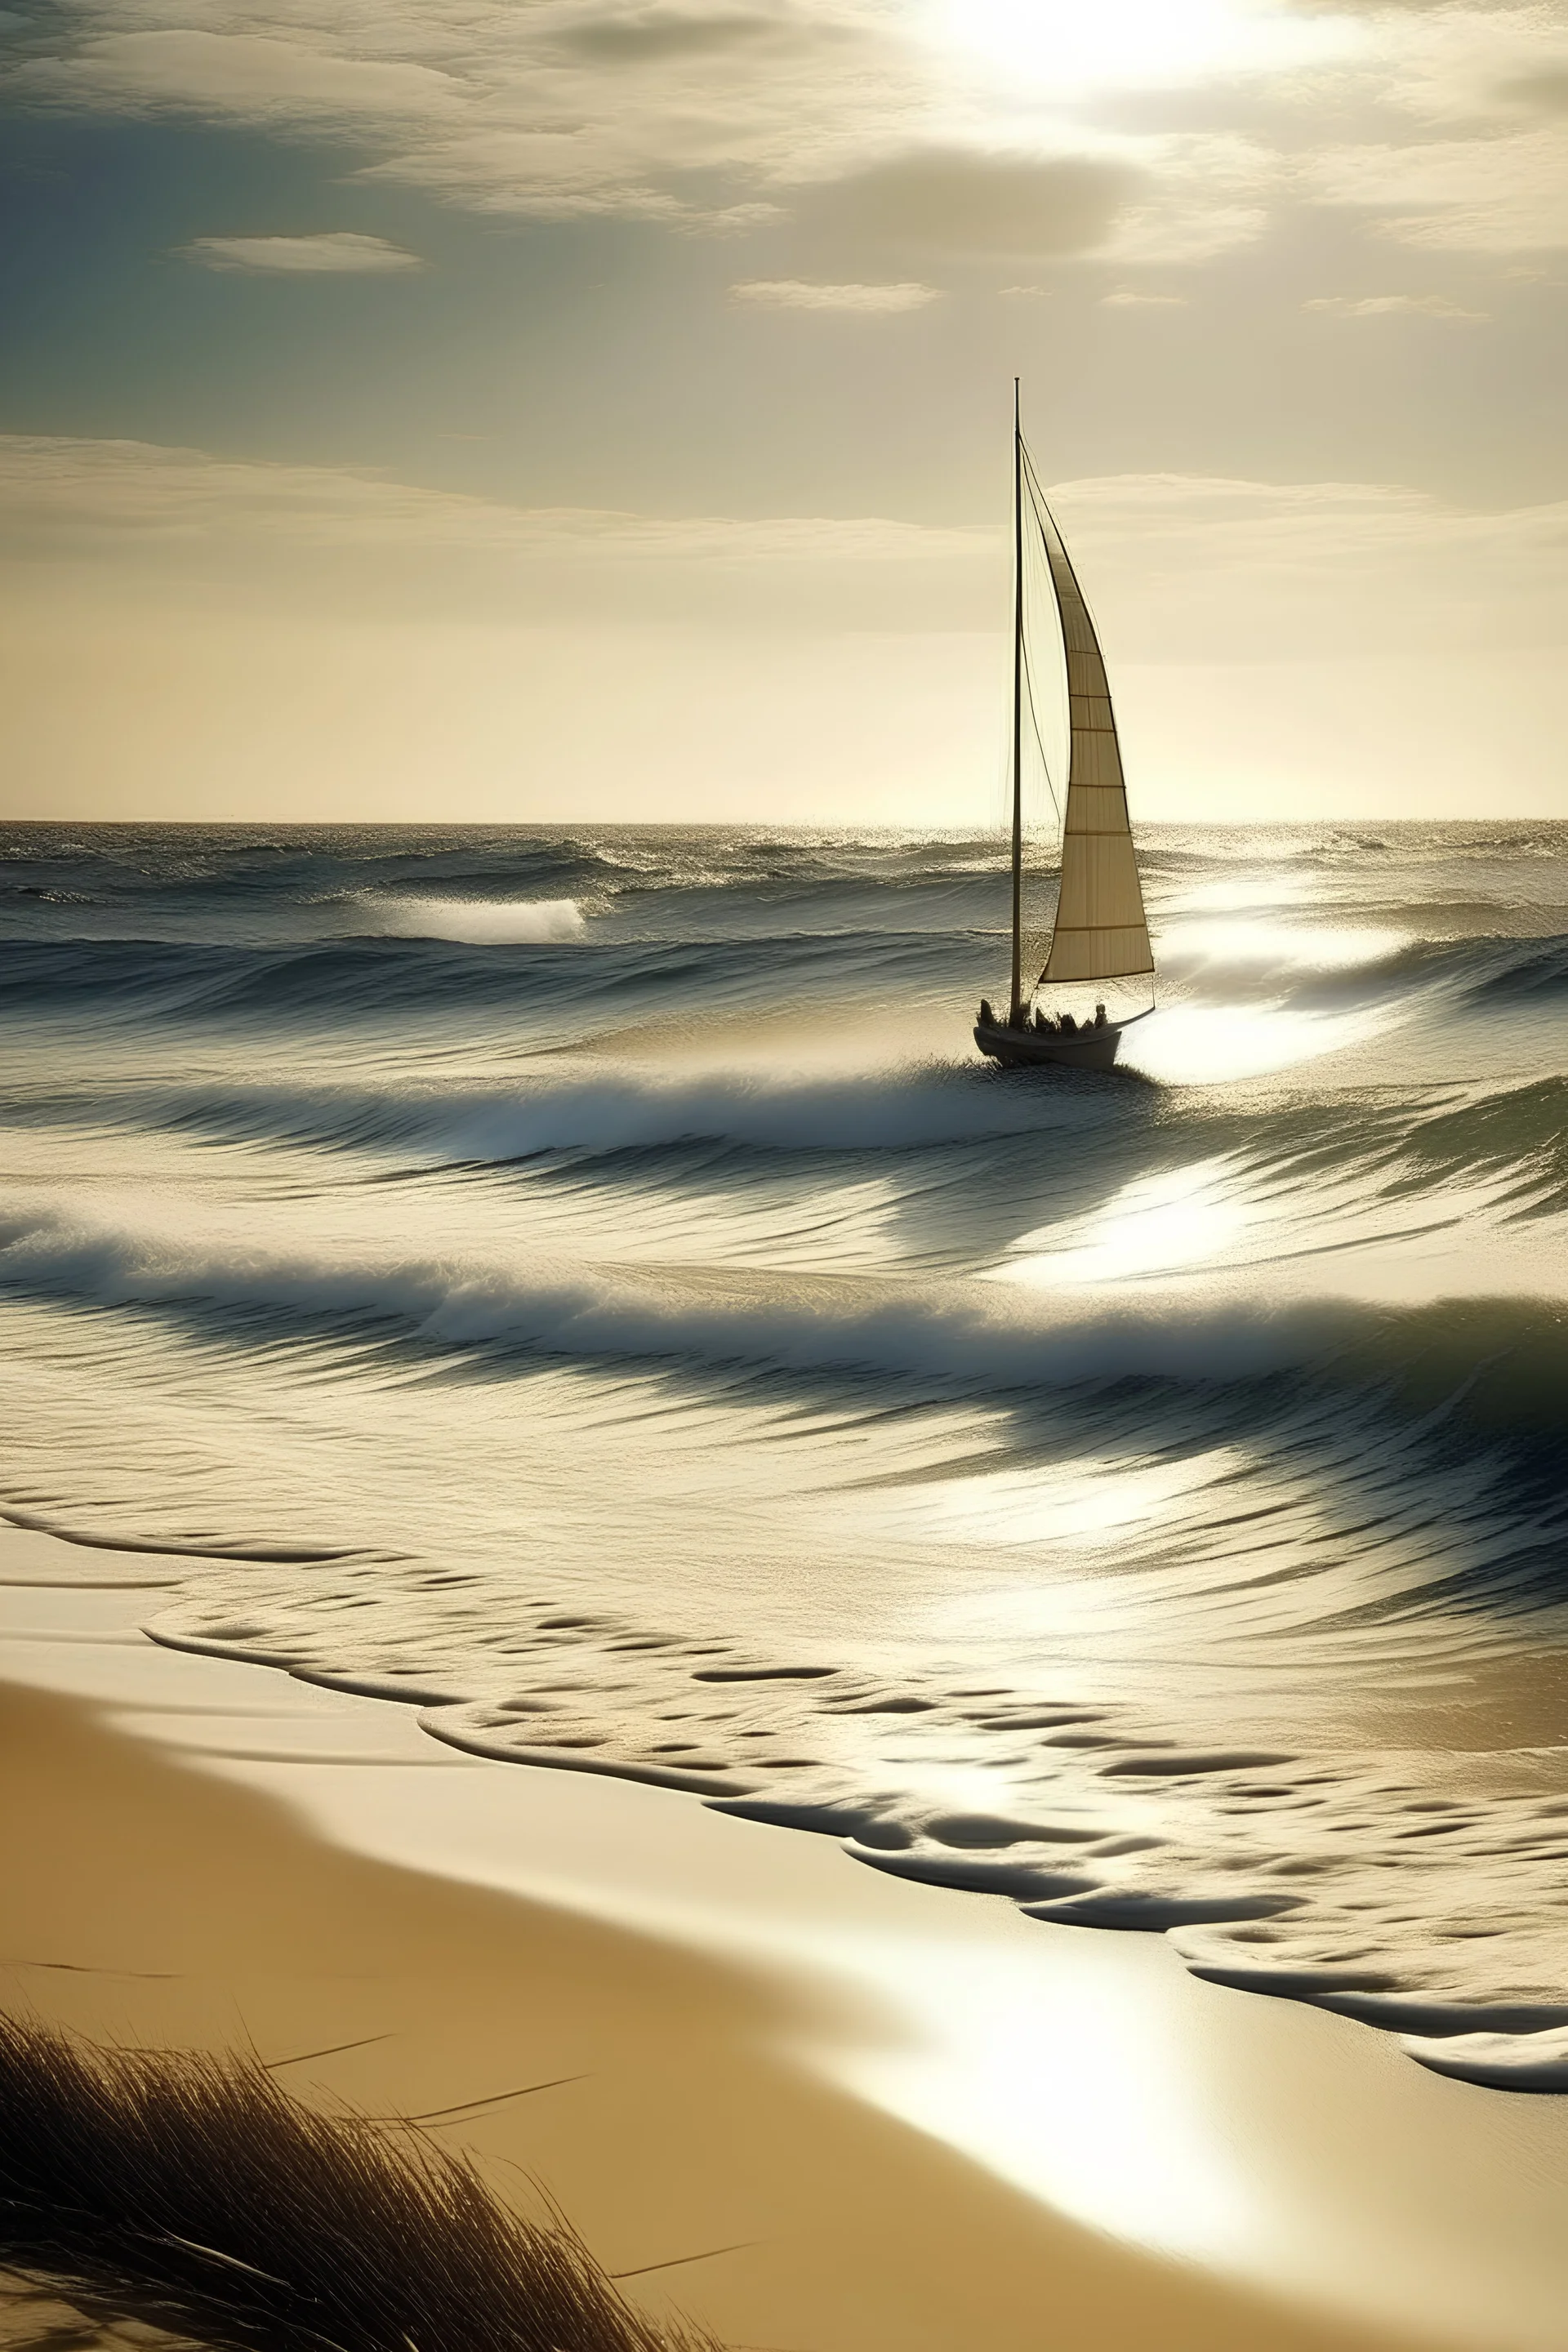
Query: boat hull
<point x="1047" y="1049"/>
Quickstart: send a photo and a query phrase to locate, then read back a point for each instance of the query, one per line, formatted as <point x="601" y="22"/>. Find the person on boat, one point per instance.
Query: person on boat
<point x="1068" y="1025"/>
<point x="1100" y="1016"/>
<point x="1045" y="1024"/>
<point x="987" y="1018"/>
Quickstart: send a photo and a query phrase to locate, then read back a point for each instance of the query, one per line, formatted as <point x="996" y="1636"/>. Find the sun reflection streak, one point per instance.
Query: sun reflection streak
<point x="1199" y="1045"/>
<point x="1297" y="945"/>
<point x="1156" y="1224"/>
<point x="1073" y="2088"/>
<point x="1081" y="1502"/>
<point x="1241" y="894"/>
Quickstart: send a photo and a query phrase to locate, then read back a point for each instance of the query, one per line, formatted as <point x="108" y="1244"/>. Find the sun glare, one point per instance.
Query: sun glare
<point x="1060" y="46"/>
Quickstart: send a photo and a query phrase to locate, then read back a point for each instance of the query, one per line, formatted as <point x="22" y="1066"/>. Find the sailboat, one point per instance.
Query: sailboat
<point x="1101" y="932"/>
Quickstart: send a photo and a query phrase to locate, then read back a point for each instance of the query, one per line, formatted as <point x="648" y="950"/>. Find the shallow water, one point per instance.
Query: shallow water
<point x="590" y="1287"/>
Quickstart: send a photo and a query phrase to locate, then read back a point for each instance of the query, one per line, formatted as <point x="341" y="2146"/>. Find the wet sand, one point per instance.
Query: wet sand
<point x="676" y="2024"/>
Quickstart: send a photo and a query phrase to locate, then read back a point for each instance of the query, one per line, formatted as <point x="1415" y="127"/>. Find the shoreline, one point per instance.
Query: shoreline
<point x="813" y="2107"/>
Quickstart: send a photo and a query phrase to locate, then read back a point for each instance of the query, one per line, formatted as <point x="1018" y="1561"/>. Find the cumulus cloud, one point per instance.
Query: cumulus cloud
<point x="330" y="252"/>
<point x="802" y="294"/>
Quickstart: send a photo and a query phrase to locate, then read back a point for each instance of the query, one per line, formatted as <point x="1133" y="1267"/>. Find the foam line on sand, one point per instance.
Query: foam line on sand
<point x="800" y="2101"/>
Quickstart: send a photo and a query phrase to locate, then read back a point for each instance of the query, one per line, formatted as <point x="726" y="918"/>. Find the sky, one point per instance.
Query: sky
<point x="555" y="410"/>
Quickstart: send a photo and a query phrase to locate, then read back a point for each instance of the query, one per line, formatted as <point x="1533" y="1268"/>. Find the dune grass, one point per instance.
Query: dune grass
<point x="189" y="2192"/>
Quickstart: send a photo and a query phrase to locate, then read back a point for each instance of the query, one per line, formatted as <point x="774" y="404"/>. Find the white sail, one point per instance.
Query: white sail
<point x="1101" y="932"/>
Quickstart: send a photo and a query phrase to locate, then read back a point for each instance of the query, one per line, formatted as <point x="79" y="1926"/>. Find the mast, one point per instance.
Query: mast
<point x="1017" y="988"/>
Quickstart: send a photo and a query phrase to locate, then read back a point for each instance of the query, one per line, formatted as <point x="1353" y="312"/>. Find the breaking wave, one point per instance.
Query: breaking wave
<point x="583" y="1285"/>
<point x="479" y="922"/>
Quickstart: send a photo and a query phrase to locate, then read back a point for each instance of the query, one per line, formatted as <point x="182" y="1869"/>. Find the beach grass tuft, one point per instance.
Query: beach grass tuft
<point x="187" y="2191"/>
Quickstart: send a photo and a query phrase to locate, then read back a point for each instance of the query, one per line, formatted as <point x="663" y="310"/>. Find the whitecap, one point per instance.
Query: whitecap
<point x="480" y="922"/>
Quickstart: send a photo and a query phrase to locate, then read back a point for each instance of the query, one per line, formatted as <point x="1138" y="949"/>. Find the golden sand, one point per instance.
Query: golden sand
<point x="644" y="2087"/>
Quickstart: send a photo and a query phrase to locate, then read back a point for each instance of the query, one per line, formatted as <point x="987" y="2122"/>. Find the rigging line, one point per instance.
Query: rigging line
<point x="1034" y="493"/>
<point x="1037" y="498"/>
<point x="1035" y="723"/>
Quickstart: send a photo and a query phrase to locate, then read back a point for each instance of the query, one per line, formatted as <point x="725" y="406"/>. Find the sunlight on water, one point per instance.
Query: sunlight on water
<point x="668" y="1348"/>
<point x="1083" y="1504"/>
<point x="1239" y="895"/>
<point x="1271" y="946"/>
<point x="1152" y="1225"/>
<point x="1192" y="1045"/>
<point x="1084" y="2099"/>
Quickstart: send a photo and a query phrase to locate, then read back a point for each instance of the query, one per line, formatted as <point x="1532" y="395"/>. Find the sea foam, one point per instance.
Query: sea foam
<point x="479" y="922"/>
<point x="543" y="1280"/>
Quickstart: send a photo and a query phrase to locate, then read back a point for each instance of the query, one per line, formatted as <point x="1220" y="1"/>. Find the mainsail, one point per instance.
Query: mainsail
<point x="1101" y="932"/>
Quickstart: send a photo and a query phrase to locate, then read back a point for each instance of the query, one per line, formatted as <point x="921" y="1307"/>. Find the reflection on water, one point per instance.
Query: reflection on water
<point x="1152" y="1225"/>
<point x="1277" y="947"/>
<point x="1067" y="2081"/>
<point x="654" y="1343"/>
<point x="1187" y="1045"/>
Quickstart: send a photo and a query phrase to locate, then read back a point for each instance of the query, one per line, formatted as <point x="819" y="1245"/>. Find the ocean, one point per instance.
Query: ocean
<point x="583" y="1284"/>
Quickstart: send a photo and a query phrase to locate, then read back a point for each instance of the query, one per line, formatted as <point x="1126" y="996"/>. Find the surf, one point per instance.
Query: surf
<point x="1142" y="1496"/>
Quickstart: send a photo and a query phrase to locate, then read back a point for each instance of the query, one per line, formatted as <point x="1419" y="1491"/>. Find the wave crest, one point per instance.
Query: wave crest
<point x="480" y="922"/>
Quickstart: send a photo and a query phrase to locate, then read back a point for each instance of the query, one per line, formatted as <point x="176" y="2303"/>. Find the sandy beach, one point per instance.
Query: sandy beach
<point x="594" y="1989"/>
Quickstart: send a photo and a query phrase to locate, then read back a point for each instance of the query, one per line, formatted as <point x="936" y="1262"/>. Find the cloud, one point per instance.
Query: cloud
<point x="1546" y="88"/>
<point x="952" y="200"/>
<point x="1182" y="568"/>
<point x="266" y="77"/>
<point x="563" y="109"/>
<point x="866" y="129"/>
<point x="112" y="488"/>
<point x="664" y="33"/>
<point x="1480" y="162"/>
<point x="1502" y="193"/>
<point x="1380" y="306"/>
<point x="332" y="252"/>
<point x="1204" y="195"/>
<point x="801" y="294"/>
<point x="196" y="525"/>
<point x="185" y="635"/>
<point x="706" y="118"/>
<point x="1189" y="568"/>
<point x="1124" y="298"/>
